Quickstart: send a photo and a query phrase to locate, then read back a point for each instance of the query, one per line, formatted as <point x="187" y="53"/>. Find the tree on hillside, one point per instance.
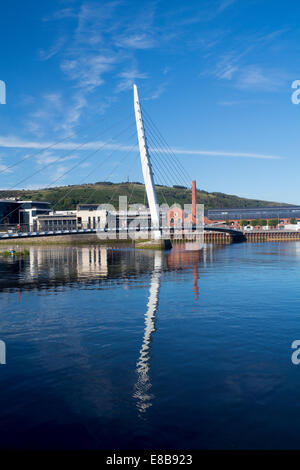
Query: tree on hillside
<point x="293" y="220"/>
<point x="273" y="223"/>
<point x="243" y="223"/>
<point x="258" y="222"/>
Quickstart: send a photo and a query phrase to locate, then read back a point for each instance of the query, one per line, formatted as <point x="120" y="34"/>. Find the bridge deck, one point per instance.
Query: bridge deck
<point x="21" y="235"/>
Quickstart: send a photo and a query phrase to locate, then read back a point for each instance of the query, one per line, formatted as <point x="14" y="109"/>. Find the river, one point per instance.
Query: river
<point x="121" y="348"/>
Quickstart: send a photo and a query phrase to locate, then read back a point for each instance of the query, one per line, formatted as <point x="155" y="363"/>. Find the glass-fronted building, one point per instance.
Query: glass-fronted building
<point x="9" y="213"/>
<point x="278" y="212"/>
<point x="18" y="215"/>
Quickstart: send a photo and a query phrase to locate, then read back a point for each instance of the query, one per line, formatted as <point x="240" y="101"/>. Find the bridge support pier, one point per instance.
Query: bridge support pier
<point x="154" y="244"/>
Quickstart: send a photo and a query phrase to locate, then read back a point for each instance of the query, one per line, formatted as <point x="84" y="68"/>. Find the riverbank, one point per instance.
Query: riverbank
<point x="93" y="239"/>
<point x="272" y="236"/>
<point x="76" y="240"/>
<point x="18" y="254"/>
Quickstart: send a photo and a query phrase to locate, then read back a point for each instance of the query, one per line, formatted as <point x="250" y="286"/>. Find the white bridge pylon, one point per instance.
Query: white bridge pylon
<point x="146" y="168"/>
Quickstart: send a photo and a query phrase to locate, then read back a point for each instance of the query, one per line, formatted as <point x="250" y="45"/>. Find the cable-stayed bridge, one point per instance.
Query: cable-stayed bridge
<point x="237" y="235"/>
<point x="158" y="161"/>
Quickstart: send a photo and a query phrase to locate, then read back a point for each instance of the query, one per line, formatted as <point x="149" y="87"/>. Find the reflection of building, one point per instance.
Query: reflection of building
<point x="86" y="261"/>
<point x="59" y="265"/>
<point x="92" y="260"/>
<point x="179" y="258"/>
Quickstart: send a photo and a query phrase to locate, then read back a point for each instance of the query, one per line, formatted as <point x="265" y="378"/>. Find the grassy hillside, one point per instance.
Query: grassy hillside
<point x="66" y="197"/>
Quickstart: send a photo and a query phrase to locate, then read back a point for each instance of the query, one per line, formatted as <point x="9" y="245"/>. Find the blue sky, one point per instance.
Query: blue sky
<point x="215" y="77"/>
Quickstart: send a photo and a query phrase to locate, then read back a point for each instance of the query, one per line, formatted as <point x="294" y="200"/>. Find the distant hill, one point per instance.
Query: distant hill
<point x="67" y="197"/>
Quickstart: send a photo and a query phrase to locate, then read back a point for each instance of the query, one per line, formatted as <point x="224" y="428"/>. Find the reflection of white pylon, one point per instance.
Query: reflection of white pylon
<point x="143" y="384"/>
<point x="2" y="352"/>
<point x="146" y="167"/>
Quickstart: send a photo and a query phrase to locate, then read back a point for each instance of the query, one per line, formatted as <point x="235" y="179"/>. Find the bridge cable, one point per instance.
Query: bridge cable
<point x="113" y="169"/>
<point x="90" y="155"/>
<point x="165" y="158"/>
<point x="79" y="163"/>
<point x="50" y="146"/>
<point x="92" y="172"/>
<point x="64" y="156"/>
<point x="156" y="144"/>
<point x="168" y="150"/>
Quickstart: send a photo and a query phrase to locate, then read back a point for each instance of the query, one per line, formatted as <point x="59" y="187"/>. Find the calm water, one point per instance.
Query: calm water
<point x="112" y="348"/>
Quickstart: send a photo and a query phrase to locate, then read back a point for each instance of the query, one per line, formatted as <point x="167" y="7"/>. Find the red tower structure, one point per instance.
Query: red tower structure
<point x="194" y="203"/>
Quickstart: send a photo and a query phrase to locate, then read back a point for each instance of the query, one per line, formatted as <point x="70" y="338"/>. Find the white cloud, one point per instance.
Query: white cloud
<point x="222" y="153"/>
<point x="53" y="99"/>
<point x="13" y="142"/>
<point x="225" y="4"/>
<point x="4" y="168"/>
<point x="254" y="77"/>
<point x="53" y="50"/>
<point x="46" y="115"/>
<point x="47" y="157"/>
<point x="73" y="112"/>
<point x="128" y="78"/>
<point x="87" y="70"/>
<point x="59" y="173"/>
<point x="166" y="70"/>
<point x="62" y="14"/>
<point x="98" y="44"/>
<point x="156" y="93"/>
<point x="136" y="41"/>
<point x="234" y="65"/>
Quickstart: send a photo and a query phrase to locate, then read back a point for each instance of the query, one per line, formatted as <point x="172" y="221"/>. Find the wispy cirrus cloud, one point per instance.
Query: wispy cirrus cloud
<point x="98" y="45"/>
<point x="87" y="71"/>
<point x="47" y="157"/>
<point x="60" y="172"/>
<point x="13" y="142"/>
<point x="221" y="153"/>
<point x="53" y="50"/>
<point x="61" y="14"/>
<point x="45" y="115"/>
<point x="136" y="41"/>
<point x="255" y="78"/>
<point x="128" y="78"/>
<point x="224" y="4"/>
<point x="4" y="168"/>
<point x="156" y="93"/>
<point x="237" y="66"/>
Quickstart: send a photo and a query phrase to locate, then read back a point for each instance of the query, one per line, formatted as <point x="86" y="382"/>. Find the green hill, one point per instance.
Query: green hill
<point x="67" y="197"/>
